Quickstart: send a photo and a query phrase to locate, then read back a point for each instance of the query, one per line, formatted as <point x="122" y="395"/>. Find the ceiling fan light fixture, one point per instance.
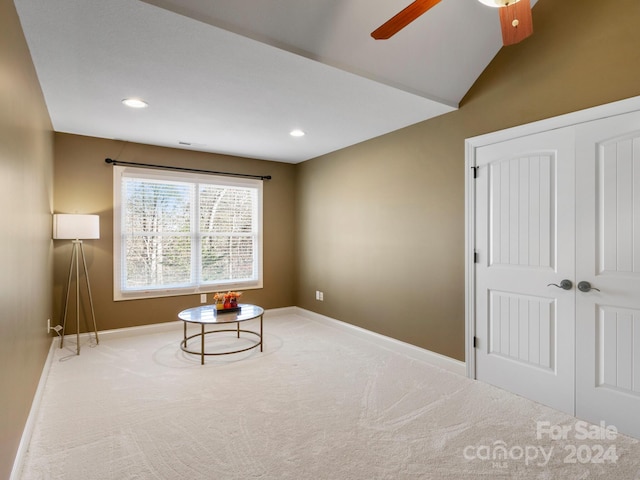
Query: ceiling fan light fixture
<point x="498" y="3"/>
<point x="515" y="19"/>
<point x="135" y="103"/>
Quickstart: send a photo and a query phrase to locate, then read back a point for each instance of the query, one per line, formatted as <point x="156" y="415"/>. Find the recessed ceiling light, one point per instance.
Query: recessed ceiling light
<point x="135" y="103"/>
<point x="297" y="133"/>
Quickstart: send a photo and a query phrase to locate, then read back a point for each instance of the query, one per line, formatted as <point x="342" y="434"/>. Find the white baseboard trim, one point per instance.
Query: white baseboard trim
<point x="70" y="338"/>
<point x="417" y="353"/>
<point x="25" y="440"/>
<point x="281" y="311"/>
<point x="433" y="358"/>
<point x="157" y="327"/>
<point x="140" y="330"/>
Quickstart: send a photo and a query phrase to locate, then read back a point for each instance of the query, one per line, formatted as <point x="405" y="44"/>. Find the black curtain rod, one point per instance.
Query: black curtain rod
<point x="183" y="169"/>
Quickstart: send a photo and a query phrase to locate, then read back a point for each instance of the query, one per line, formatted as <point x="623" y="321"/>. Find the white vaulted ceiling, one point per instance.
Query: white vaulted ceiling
<point x="235" y="76"/>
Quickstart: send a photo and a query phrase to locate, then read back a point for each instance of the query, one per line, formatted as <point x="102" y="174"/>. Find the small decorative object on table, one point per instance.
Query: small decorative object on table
<point x="227" y="302"/>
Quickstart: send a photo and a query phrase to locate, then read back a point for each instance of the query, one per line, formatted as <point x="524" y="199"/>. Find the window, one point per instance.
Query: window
<point x="180" y="233"/>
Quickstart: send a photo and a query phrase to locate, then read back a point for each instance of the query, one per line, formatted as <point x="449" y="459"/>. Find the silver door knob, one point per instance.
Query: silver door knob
<point x="564" y="284"/>
<point x="585" y="286"/>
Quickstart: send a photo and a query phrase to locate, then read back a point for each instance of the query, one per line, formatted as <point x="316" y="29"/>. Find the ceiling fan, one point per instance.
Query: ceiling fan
<point x="515" y="19"/>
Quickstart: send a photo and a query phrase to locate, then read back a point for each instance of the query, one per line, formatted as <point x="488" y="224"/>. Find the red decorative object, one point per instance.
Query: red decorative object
<point x="226" y="301"/>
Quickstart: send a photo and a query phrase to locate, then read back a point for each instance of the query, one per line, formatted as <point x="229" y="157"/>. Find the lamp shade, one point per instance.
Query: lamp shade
<point x="75" y="227"/>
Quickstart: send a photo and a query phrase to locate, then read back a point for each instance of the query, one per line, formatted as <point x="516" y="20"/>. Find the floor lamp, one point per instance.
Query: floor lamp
<point x="77" y="228"/>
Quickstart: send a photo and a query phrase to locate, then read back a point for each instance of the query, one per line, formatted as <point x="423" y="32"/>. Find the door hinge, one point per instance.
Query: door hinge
<point x="475" y="257"/>
<point x="475" y="172"/>
<point x="475" y="342"/>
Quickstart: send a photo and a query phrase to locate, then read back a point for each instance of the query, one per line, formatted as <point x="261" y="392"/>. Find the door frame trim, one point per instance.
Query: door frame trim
<point x="471" y="145"/>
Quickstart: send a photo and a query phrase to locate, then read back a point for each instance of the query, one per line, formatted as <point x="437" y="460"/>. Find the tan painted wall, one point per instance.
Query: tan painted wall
<point x="84" y="184"/>
<point x="26" y="181"/>
<point x="381" y="224"/>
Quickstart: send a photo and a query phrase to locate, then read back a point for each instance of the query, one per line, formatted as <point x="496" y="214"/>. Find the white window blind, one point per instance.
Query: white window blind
<point x="181" y="233"/>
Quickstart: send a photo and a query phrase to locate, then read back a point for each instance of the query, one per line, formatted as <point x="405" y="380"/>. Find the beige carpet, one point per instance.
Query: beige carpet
<point x="319" y="403"/>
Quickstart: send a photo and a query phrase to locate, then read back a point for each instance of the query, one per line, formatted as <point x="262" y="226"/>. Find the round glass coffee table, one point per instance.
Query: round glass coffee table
<point x="208" y="315"/>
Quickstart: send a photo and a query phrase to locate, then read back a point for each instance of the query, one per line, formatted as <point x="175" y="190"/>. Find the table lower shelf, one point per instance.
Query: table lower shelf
<point x="203" y="333"/>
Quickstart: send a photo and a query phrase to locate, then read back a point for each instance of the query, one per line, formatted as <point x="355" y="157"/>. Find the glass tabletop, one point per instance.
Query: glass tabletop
<point x="209" y="314"/>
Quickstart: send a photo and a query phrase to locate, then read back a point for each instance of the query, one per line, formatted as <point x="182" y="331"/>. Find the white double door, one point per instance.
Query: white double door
<point x="562" y="205"/>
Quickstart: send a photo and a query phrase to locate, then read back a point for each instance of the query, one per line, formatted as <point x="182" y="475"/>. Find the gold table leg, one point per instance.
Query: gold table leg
<point x="202" y="351"/>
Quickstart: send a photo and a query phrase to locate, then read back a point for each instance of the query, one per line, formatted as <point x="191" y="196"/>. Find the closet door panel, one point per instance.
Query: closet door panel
<point x="608" y="257"/>
<point x="525" y="240"/>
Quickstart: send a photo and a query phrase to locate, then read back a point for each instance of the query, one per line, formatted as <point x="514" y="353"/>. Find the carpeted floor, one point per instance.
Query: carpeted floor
<point x="318" y="403"/>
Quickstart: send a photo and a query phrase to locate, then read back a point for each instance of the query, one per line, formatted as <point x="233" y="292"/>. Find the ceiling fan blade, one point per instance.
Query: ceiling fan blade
<point x="402" y="19"/>
<point x="516" y="22"/>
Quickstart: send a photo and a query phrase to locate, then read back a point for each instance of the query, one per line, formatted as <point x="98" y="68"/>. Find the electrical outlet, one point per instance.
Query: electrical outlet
<point x="203" y="298"/>
<point x="319" y="296"/>
<point x="48" y="325"/>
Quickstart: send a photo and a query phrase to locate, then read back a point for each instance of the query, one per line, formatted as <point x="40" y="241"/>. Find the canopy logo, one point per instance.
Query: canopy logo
<point x="500" y="453"/>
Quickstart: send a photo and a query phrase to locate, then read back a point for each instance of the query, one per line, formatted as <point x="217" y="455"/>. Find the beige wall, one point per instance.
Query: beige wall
<point x="84" y="184"/>
<point x="26" y="178"/>
<point x="381" y="224"/>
